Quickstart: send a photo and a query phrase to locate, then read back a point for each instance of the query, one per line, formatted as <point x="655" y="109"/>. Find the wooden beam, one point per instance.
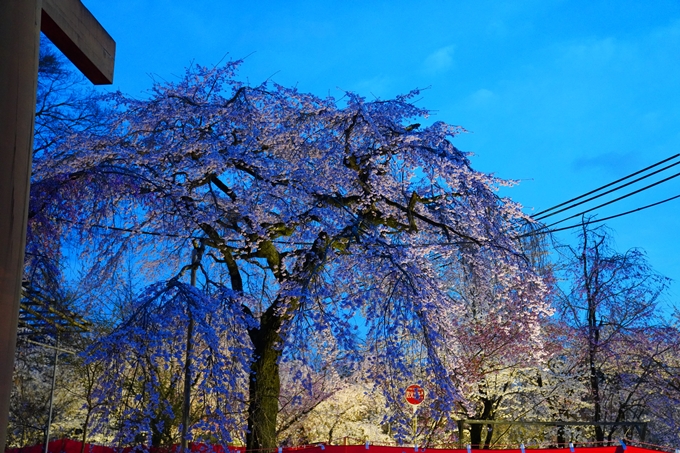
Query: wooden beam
<point x="543" y="423"/>
<point x="19" y="46"/>
<point x="75" y="31"/>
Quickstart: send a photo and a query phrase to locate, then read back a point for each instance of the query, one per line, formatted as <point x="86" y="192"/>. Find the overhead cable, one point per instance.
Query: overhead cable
<point x="607" y="192"/>
<point x="546" y="231"/>
<point x="614" y="200"/>
<point x="605" y="186"/>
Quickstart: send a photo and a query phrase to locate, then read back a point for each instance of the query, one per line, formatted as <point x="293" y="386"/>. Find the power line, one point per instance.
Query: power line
<point x="607" y="192"/>
<point x="605" y="186"/>
<point x="614" y="200"/>
<point x="533" y="233"/>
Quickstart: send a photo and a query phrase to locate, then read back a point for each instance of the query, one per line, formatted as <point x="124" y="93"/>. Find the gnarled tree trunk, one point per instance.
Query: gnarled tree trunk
<point x="265" y="384"/>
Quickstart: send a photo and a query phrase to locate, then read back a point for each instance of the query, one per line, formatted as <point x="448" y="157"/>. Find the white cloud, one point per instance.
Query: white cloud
<point x="439" y="61"/>
<point x="481" y="97"/>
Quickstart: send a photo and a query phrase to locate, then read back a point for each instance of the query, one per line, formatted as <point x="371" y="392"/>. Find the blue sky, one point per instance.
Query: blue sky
<point x="564" y="96"/>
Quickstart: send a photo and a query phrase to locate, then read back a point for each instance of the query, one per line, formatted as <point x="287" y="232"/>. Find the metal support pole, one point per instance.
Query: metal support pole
<point x="19" y="50"/>
<point x="415" y="424"/>
<point x="54" y="381"/>
<point x="196" y="256"/>
<point x="642" y="431"/>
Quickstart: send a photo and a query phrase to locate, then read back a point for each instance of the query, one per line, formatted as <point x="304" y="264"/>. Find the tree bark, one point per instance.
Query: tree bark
<point x="476" y="430"/>
<point x="475" y="435"/>
<point x="265" y="384"/>
<point x="85" y="425"/>
<point x="196" y="256"/>
<point x="591" y="283"/>
<point x="595" y="392"/>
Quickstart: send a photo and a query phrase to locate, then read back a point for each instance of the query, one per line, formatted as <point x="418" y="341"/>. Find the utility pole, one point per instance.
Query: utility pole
<point x="73" y="29"/>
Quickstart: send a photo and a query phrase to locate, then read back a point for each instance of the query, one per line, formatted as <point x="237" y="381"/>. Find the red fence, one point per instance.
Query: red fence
<point x="72" y="446"/>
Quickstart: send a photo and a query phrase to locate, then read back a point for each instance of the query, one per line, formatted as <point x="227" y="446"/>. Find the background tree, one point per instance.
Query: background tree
<point x="46" y="373"/>
<point x="498" y="338"/>
<point x="65" y="105"/>
<point x="327" y="406"/>
<point x="145" y="370"/>
<point x="611" y="303"/>
<point x="662" y="406"/>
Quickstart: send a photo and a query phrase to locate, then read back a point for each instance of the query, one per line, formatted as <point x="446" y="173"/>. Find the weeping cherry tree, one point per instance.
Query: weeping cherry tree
<point x="327" y="219"/>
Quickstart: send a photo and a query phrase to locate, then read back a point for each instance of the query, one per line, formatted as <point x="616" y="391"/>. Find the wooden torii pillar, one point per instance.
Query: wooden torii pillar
<point x="73" y="29"/>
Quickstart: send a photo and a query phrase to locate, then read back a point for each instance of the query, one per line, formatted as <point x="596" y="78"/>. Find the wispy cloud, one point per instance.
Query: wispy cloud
<point x="439" y="61"/>
<point x="611" y="163"/>
<point x="481" y="98"/>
